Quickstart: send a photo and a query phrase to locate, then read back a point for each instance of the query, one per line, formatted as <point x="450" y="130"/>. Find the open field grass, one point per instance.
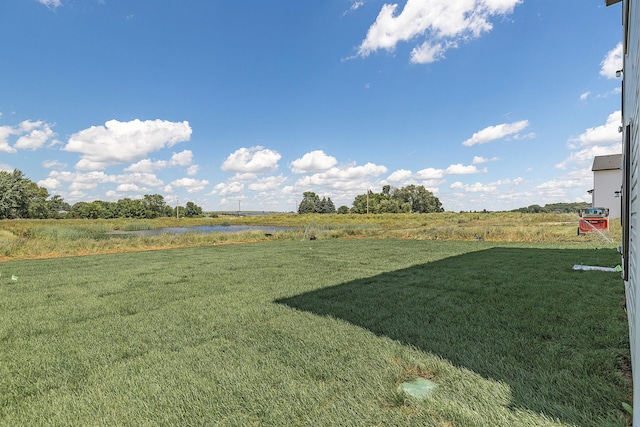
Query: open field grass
<point x="316" y="333"/>
<point x="22" y="239"/>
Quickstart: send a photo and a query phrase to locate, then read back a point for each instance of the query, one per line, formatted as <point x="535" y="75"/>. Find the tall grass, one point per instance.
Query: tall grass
<point x="44" y="238"/>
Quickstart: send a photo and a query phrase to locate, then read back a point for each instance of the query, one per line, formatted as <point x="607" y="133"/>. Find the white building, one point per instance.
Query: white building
<point x="630" y="188"/>
<point x="607" y="183"/>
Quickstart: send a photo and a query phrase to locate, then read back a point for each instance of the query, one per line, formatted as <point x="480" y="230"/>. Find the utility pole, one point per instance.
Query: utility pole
<point x="368" y="201"/>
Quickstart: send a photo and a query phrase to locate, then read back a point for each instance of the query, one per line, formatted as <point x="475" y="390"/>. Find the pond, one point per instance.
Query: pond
<point x="205" y="229"/>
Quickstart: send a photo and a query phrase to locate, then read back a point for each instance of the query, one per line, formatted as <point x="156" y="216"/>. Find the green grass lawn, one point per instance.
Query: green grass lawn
<point x="315" y="333"/>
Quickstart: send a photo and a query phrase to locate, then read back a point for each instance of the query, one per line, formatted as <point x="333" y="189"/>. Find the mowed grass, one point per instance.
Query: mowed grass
<point x="315" y="333"/>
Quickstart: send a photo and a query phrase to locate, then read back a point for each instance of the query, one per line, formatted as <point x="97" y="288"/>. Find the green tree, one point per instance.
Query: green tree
<point x="327" y="206"/>
<point x="343" y="210"/>
<point x="37" y="200"/>
<point x="154" y="205"/>
<point x="14" y="200"/>
<point x="128" y="208"/>
<point x="310" y="203"/>
<point x="192" y="210"/>
<point x="419" y="199"/>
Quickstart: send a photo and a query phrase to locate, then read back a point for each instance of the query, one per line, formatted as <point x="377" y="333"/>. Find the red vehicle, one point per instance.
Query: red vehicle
<point x="593" y="219"/>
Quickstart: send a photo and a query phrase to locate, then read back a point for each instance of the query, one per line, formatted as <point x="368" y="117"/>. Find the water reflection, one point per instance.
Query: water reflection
<point x="205" y="229"/>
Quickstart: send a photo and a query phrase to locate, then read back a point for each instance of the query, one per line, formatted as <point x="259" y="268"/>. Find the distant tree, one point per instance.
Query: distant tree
<point x="192" y="210"/>
<point x="343" y="210"/>
<point x="310" y="203"/>
<point x="327" y="206"/>
<point x="22" y="198"/>
<point x="37" y="206"/>
<point x="128" y="208"/>
<point x="419" y="198"/>
<point x="14" y="200"/>
<point x="154" y="205"/>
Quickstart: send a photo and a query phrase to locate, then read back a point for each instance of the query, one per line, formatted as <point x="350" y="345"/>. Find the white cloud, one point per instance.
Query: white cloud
<point x="427" y="53"/>
<point x="586" y="155"/>
<point x="603" y="134"/>
<point x="312" y="162"/>
<point x="584" y="96"/>
<point x="129" y="188"/>
<point x="477" y="187"/>
<point x="53" y="164"/>
<point x="190" y="184"/>
<point x="121" y="142"/>
<point x="345" y="178"/>
<point x="460" y="169"/>
<point x="51" y="4"/>
<point x="430" y="173"/>
<point x="492" y="133"/>
<point x="400" y="175"/>
<point x="354" y="6"/>
<point x="253" y="160"/>
<point x="226" y="188"/>
<point x="267" y="183"/>
<point x="143" y="179"/>
<point x="49" y="183"/>
<point x="183" y="158"/>
<point x="5" y="133"/>
<point x="31" y="136"/>
<point x="438" y="24"/>
<point x="478" y="160"/>
<point x="612" y="62"/>
<point x="193" y="170"/>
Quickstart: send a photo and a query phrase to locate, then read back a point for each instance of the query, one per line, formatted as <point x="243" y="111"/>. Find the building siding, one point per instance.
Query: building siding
<point x="605" y="185"/>
<point x="630" y="113"/>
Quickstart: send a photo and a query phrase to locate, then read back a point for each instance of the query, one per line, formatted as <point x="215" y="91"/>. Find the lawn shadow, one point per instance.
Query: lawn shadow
<point x="556" y="336"/>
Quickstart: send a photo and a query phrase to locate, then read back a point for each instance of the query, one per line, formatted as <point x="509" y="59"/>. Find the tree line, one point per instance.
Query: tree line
<point x="22" y="198"/>
<point x="412" y="198"/>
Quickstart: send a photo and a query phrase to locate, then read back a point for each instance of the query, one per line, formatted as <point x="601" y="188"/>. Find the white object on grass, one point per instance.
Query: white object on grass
<point x="593" y="267"/>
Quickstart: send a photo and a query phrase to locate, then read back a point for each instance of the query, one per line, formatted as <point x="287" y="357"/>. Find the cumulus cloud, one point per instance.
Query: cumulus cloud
<point x="437" y="25"/>
<point x="586" y="155"/>
<point x="612" y="62"/>
<point x="312" y="162"/>
<point x="430" y="173"/>
<point x="268" y="183"/>
<point x="477" y="187"/>
<point x="129" y="188"/>
<point x="122" y="142"/>
<point x="460" y="169"/>
<point x="344" y="177"/>
<point x="492" y="133"/>
<point x="184" y="158"/>
<point x="225" y="189"/>
<point x="190" y="184"/>
<point x="603" y="134"/>
<point x="31" y="136"/>
<point x="252" y="160"/>
<point x="478" y="160"/>
<point x="5" y="133"/>
<point x="400" y="175"/>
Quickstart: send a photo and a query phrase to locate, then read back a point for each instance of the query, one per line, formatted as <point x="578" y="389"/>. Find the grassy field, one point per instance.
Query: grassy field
<point x="24" y="239"/>
<point x="316" y="333"/>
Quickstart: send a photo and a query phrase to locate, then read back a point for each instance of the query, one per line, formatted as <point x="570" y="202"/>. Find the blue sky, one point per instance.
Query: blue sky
<point x="490" y="104"/>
